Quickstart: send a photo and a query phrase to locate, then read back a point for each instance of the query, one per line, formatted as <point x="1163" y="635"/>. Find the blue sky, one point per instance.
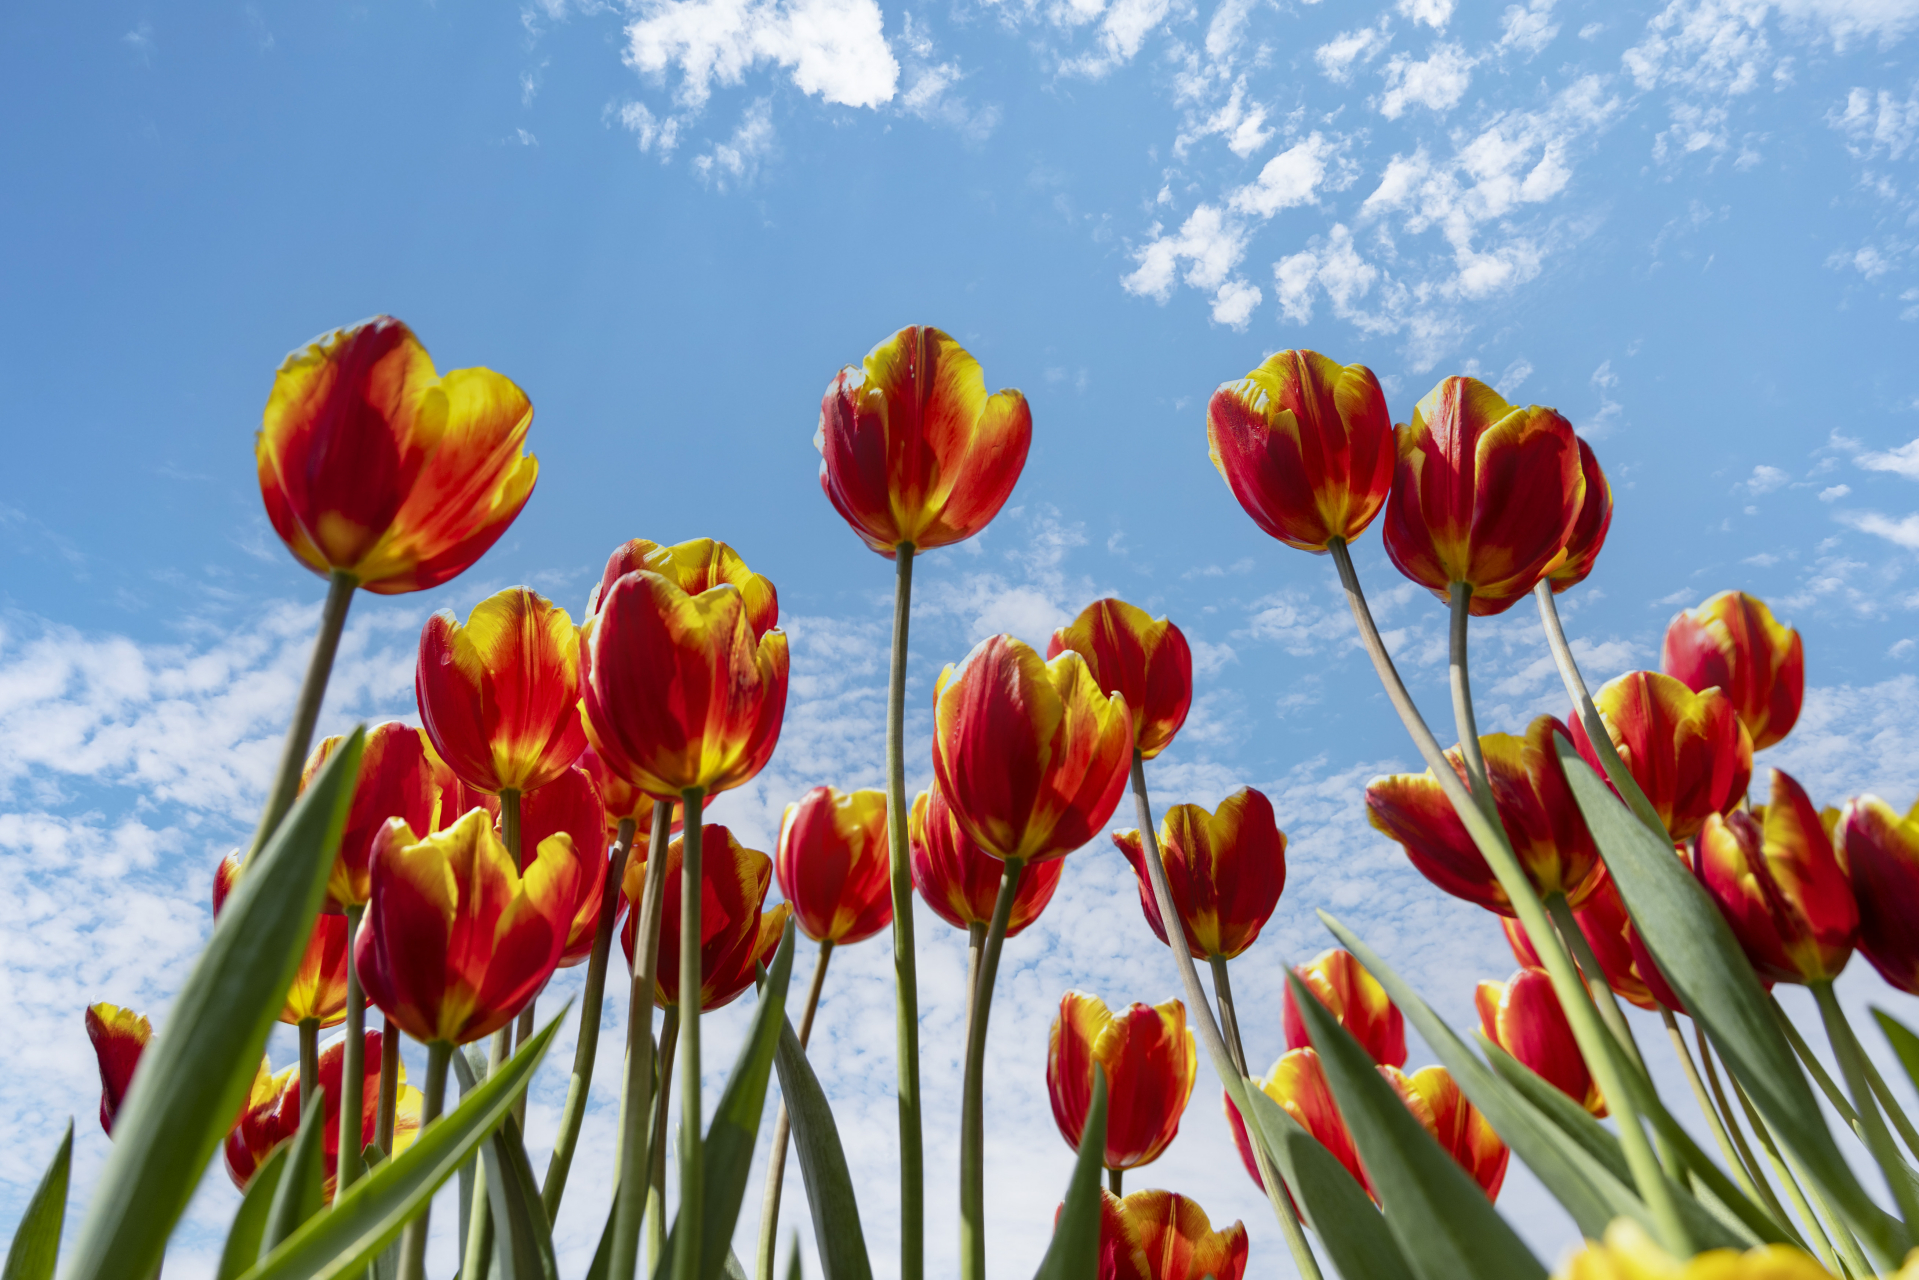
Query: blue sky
<point x="1693" y="227"/>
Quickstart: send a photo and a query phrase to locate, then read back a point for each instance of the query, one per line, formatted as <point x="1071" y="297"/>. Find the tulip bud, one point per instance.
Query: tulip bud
<point x="1732" y="643"/>
<point x="959" y="880"/>
<point x="1355" y="998"/>
<point x="1145" y="661"/>
<point x="400" y="777"/>
<point x="1178" y="1239"/>
<point x="833" y="864"/>
<point x="570" y="806"/>
<point x="318" y="992"/>
<point x="1226" y="870"/>
<point x="1881" y="854"/>
<point x="1523" y="1016"/>
<point x="737" y="934"/>
<point x="1459" y="1127"/>
<point x="695" y="566"/>
<point x="1687" y="751"/>
<point x="119" y="1037"/>
<point x="1297" y="1083"/>
<point x="1150" y="1063"/>
<point x="1120" y="1257"/>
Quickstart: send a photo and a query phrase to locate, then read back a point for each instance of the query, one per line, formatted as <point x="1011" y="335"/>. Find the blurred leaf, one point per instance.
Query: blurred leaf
<point x="1904" y="1043"/>
<point x="249" y="1227"/>
<point x="522" y="1241"/>
<point x="793" y="1271"/>
<point x="193" y="1080"/>
<point x="302" y="1189"/>
<point x="1074" y="1252"/>
<point x="829" y="1187"/>
<point x="36" y="1241"/>
<point x="1347" y="1222"/>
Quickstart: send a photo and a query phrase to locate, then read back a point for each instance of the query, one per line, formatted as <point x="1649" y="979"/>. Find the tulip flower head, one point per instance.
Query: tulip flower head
<point x="1576" y="559"/>
<point x="1120" y="1257"/>
<point x="1297" y="1083"/>
<point x="1775" y="877"/>
<point x="1150" y="1063"/>
<point x="1226" y="870"/>
<point x="400" y="777"/>
<point x="1179" y="1241"/>
<point x="738" y="933"/>
<point x="119" y="1037"/>
<point x="272" y="1113"/>
<point x="1687" y="751"/>
<point x="833" y="864"/>
<point x="959" y="880"/>
<point x="318" y="992"/>
<point x="570" y="805"/>
<point x="1536" y="808"/>
<point x="1609" y="932"/>
<point x="1031" y="755"/>
<point x="1355" y="999"/>
<point x="1523" y="1016"/>
<point x="1732" y="643"/>
<point x="1484" y="493"/>
<point x="1306" y="445"/>
<point x="698" y="565"/>
<point x="374" y="465"/>
<point x="1459" y="1127"/>
<point x="1628" y="1253"/>
<point x="679" y="691"/>
<point x="913" y="450"/>
<point x="1146" y="661"/>
<point x="1880" y="852"/>
<point x="456" y="939"/>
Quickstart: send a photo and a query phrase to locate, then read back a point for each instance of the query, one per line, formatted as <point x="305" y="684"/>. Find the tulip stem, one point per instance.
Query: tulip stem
<point x="629" y="1188"/>
<point x="1724" y="1109"/>
<point x="1228" y="1015"/>
<point x="1596" y="983"/>
<point x="1113" y="1179"/>
<point x="1713" y="1122"/>
<point x="439" y="1056"/>
<point x="972" y="1096"/>
<point x="1815" y="1230"/>
<point x="1595" y="1042"/>
<point x="975" y="942"/>
<point x="389" y="1085"/>
<point x="656" y="1147"/>
<point x="1224" y="1065"/>
<point x="479" y="1232"/>
<point x="905" y="976"/>
<point x="306" y="710"/>
<point x="309" y="1056"/>
<point x="1463" y="719"/>
<point x="686" y="1255"/>
<point x="352" y="1068"/>
<point x="1878" y="1138"/>
<point x="783" y="1127"/>
<point x="592" y="1010"/>
<point x="1816" y="1068"/>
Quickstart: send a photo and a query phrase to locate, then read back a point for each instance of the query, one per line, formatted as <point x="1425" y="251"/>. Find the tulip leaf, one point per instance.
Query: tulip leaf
<point x="374" y="1209"/>
<point x="1445" y="1225"/>
<point x="36" y="1241"/>
<point x="193" y="1080"/>
<point x="522" y="1240"/>
<point x="1904" y="1043"/>
<point x="829" y="1186"/>
<point x="302" y="1189"/>
<point x="242" y="1248"/>
<point x="1697" y="953"/>
<point x="1074" y="1252"/>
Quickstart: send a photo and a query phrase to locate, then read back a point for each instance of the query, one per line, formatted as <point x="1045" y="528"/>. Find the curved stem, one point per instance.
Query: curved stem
<point x="352" y="1069"/>
<point x="389" y="1086"/>
<point x="439" y="1055"/>
<point x="1815" y="1230"/>
<point x="1878" y="1138"/>
<point x="1733" y="1131"/>
<point x="629" y="1187"/>
<point x="1462" y="690"/>
<point x="975" y="943"/>
<point x="973" y="1089"/>
<point x="1893" y="1110"/>
<point x="1228" y="1016"/>
<point x="479" y="1229"/>
<point x="306" y="709"/>
<point x="1596" y="983"/>
<point x="783" y="1128"/>
<point x="309" y="1056"/>
<point x="905" y="975"/>
<point x="1815" y="1068"/>
<point x="686" y="1256"/>
<point x="656" y="1141"/>
<point x="1706" y="1109"/>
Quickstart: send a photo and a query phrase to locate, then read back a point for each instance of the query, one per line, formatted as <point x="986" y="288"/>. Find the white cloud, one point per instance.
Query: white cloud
<point x="1295" y="175"/>
<point x="1903" y="532"/>
<point x="1902" y="461"/>
<point x="1834" y="492"/>
<point x="1877" y="124"/>
<point x="1437" y="83"/>
<point x="930" y="89"/>
<point x="1122" y="33"/>
<point x="1764" y="479"/>
<point x="1242" y="125"/>
<point x="1337" y="56"/>
<point x="1434" y="13"/>
<point x="835" y="48"/>
<point x="649" y="130"/>
<point x="1528" y="28"/>
<point x="737" y="160"/>
<point x="1209" y="242"/>
<point x="1234" y="302"/>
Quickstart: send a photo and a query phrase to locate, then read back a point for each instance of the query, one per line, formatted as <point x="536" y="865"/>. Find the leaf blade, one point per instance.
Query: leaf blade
<point x="1074" y="1251"/>
<point x="35" y="1249"/>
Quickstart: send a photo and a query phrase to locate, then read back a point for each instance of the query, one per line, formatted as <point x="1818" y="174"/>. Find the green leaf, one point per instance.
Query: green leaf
<point x="522" y="1240"/>
<point x="36" y="1241"/>
<point x="829" y="1186"/>
<point x="242" y="1248"/>
<point x="1074" y="1252"/>
<point x="1445" y="1225"/>
<point x="1699" y="956"/>
<point x="793" y="1271"/>
<point x="302" y="1189"/>
<point x="373" y="1211"/>
<point x="1904" y="1043"/>
<point x="194" y="1079"/>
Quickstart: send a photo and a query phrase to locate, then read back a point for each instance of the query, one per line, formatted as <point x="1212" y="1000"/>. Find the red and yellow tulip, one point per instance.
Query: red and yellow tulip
<point x="1120" y="1257"/>
<point x="318" y="992"/>
<point x="959" y="880"/>
<point x="374" y="465"/>
<point x="1687" y="751"/>
<point x="622" y="800"/>
<point x="1355" y="998"/>
<point x="1130" y="654"/>
<point x="1609" y="932"/>
<point x="1226" y="870"/>
<point x="913" y="450"/>
<point x="1732" y="643"/>
<point x="1297" y="1083"/>
<point x="400" y="777"/>
<point x="1150" y="1063"/>
<point x="832" y="864"/>
<point x="1523" y="1016"/>
<point x="570" y="805"/>
<point x="1576" y="559"/>
<point x="738" y="934"/>
<point x="1458" y="1126"/>
<point x="119" y="1037"/>
<point x="695" y="566"/>
<point x="1880" y="851"/>
<point x="1179" y="1241"/>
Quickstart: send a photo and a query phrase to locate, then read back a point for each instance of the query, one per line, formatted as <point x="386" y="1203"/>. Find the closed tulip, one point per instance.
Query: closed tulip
<point x="1356" y="999"/>
<point x="832" y="864"/>
<point x="1523" y="1016"/>
<point x="738" y="933"/>
<point x="1880" y="852"/>
<point x="1687" y="751"/>
<point x="1149" y="1060"/>
<point x="1120" y="1257"/>
<point x="1483" y="493"/>
<point x="570" y="805"/>
<point x="1774" y="875"/>
<point x="1297" y="1083"/>
<point x="1179" y="1241"/>
<point x="1459" y="1127"/>
<point x="1130" y="654"/>
<point x="1032" y="756"/>
<point x="913" y="450"/>
<point x="1609" y="932"/>
<point x="1535" y="806"/>
<point x="694" y="566"/>
<point x="373" y="465"/>
<point x="959" y="880"/>
<point x="400" y="777"/>
<point x="1732" y="643"/>
<point x="1226" y="870"/>
<point x="318" y="993"/>
<point x="1581" y="552"/>
<point x="119" y="1036"/>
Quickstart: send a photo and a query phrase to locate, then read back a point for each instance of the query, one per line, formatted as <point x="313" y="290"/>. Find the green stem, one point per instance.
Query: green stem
<point x="309" y="1057"/>
<point x="1719" y="1135"/>
<point x="905" y="975"/>
<point x="352" y="1069"/>
<point x="1738" y="1137"/>
<point x="439" y="1055"/>
<point x="479" y="1231"/>
<point x="502" y="1047"/>
<point x="975" y="943"/>
<point x="1596" y="983"/>
<point x="1464" y="721"/>
<point x="510" y="825"/>
<point x="1815" y="1230"/>
<point x="662" y="1111"/>
<point x="686" y="1255"/>
<point x="1883" y="1092"/>
<point x="592" y="1010"/>
<point x="629" y="1187"/>
<point x="306" y="709"/>
<point x="972" y="1094"/>
<point x="783" y="1127"/>
<point x="1114" y="1177"/>
<point x="1878" y="1138"/>
<point x="389" y="1086"/>
<point x="1815" y="1068"/>
<point x="1228" y="1015"/>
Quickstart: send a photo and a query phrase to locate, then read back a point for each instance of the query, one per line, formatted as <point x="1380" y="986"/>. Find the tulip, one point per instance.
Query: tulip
<point x="1120" y="1257"/>
<point x="1774" y="875"/>
<point x="736" y="933"/>
<point x="1306" y="445"/>
<point x="1226" y="870"/>
<point x="1523" y="1017"/>
<point x="1576" y="559"/>
<point x="375" y="466"/>
<point x="832" y="864"/>
<point x="119" y="1037"/>
<point x="1628" y="1253"/>
<point x="1459" y="1127"/>
<point x="1355" y="998"/>
<point x="622" y="800"/>
<point x="1149" y="1060"/>
<point x="912" y="449"/>
<point x="498" y="696"/>
<point x="1179" y="1241"/>
<point x="696" y="566"/>
<point x="1536" y="808"/>
<point x="1687" y="751"/>
<point x="570" y="805"/>
<point x="272" y="1113"/>
<point x="960" y="881"/>
<point x="1732" y="643"/>
<point x="1146" y="661"/>
<point x="1484" y="494"/>
<point x="1297" y="1083"/>
<point x="1881" y="854"/>
<point x="1609" y="932"/>
<point x="400" y="777"/>
<point x="318" y="993"/>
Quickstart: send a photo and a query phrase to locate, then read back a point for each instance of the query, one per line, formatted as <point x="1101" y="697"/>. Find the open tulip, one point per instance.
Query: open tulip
<point x="1356" y="999"/>
<point x="1880" y="852"/>
<point x="400" y="777"/>
<point x="1628" y="1253"/>
<point x="697" y="565"/>
<point x="1687" y="751"/>
<point x="1459" y="1127"/>
<point x="913" y="450"/>
<point x="1732" y="643"/>
<point x="1536" y="808"/>
<point x="570" y="805"/>
<point x="738" y="934"/>
<point x="373" y="465"/>
<point x="1523" y="1016"/>
<point x="1146" y="661"/>
<point x="1032" y="756"/>
<point x="1576" y="559"/>
<point x="1179" y="1241"/>
<point x="959" y="880"/>
<point x="456" y="939"/>
<point x="1484" y="493"/>
<point x="1150" y="1063"/>
<point x="1297" y="1083"/>
<point x="1609" y="932"/>
<point x="318" y="993"/>
<point x="119" y="1037"/>
<point x="1774" y="875"/>
<point x="1306" y="445"/>
<point x="832" y="864"/>
<point x="1226" y="870"/>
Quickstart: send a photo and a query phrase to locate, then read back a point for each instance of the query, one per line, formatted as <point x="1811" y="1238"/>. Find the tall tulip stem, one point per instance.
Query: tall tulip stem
<point x="352" y="1066"/>
<point x="783" y="1127"/>
<point x="1845" y="1046"/>
<point x="389" y="1086"/>
<point x="1462" y="689"/>
<point x="439" y="1056"/>
<point x="1815" y="1231"/>
<point x="1602" y="993"/>
<point x="309" y="1057"/>
<point x="629" y="1188"/>
<point x="686" y="1256"/>
<point x="905" y="967"/>
<point x="975" y="943"/>
<point x="1115" y="1178"/>
<point x="1740" y="1172"/>
<point x="656" y="1144"/>
<point x="1228" y="1016"/>
<point x="1733" y="1131"/>
<point x="306" y="710"/>
<point x="973" y="1089"/>
<point x="592" y="1009"/>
